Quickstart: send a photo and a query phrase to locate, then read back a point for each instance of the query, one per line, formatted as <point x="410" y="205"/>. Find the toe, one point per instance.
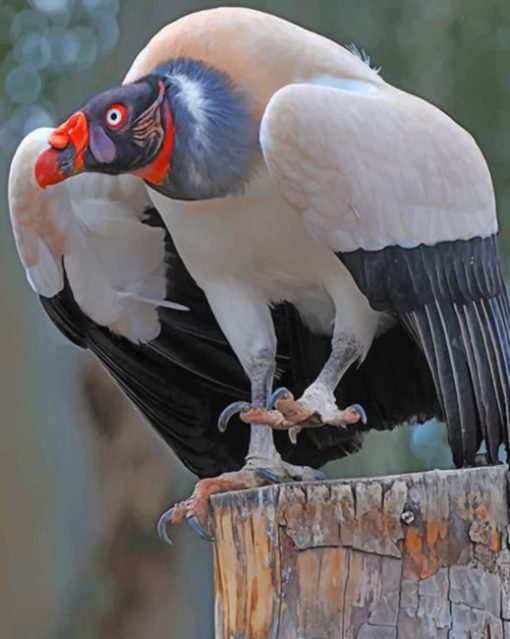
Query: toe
<point x="163" y="521"/>
<point x="351" y="415"/>
<point x="294" y="412"/>
<point x="304" y="473"/>
<point x="279" y="393"/>
<point x="357" y="408"/>
<point x="176" y="515"/>
<point x="293" y="433"/>
<point x="267" y="475"/>
<point x="252" y="415"/>
<point x="195" y="524"/>
<point x="229" y="412"/>
<point x="264" y="417"/>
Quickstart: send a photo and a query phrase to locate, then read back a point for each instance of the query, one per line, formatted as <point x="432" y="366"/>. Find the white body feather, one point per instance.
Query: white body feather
<point x="250" y="251"/>
<point x="92" y="224"/>
<point x="349" y="163"/>
<point x="370" y="169"/>
<point x="352" y="165"/>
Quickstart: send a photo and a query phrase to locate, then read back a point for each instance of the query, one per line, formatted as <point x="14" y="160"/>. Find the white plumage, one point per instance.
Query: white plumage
<point x="257" y="245"/>
<point x="284" y="169"/>
<point x="91" y="225"/>
<point x="370" y="170"/>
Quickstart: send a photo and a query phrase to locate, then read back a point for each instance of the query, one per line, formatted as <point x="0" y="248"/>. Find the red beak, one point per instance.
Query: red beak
<point x="65" y="157"/>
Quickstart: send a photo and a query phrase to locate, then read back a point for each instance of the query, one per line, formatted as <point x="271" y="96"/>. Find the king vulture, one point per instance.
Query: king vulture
<point x="253" y="216"/>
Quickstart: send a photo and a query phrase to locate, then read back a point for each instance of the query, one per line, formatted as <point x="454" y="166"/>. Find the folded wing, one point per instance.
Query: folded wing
<point x="109" y="277"/>
<point x="403" y="196"/>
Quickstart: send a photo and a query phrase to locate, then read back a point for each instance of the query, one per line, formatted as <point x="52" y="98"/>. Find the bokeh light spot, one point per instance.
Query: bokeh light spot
<point x="37" y="116"/>
<point x="95" y="5"/>
<point x="23" y="85"/>
<point x="7" y="15"/>
<point x="27" y="21"/>
<point x="108" y="34"/>
<point x="87" y="45"/>
<point x="52" y="6"/>
<point x="33" y="49"/>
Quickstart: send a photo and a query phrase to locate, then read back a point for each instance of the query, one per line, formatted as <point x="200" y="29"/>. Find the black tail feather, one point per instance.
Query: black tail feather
<point x="479" y="363"/>
<point x="451" y="298"/>
<point x="467" y="347"/>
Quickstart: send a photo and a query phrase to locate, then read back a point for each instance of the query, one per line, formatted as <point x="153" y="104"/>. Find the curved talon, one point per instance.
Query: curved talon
<point x="228" y="412"/>
<point x="193" y="522"/>
<point x="162" y="524"/>
<point x="357" y="408"/>
<point x="293" y="434"/>
<point x="263" y="473"/>
<point x="276" y="395"/>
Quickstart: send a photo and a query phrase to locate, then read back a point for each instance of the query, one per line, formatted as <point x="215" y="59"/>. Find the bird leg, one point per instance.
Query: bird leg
<point x="263" y="462"/>
<point x="195" y="509"/>
<point x="317" y="406"/>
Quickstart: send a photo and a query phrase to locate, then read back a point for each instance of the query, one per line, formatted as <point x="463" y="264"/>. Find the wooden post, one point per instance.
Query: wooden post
<point x="421" y="556"/>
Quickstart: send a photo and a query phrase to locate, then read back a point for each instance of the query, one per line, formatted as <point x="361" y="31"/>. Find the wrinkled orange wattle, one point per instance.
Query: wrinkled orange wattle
<point x="156" y="171"/>
<point x="74" y="131"/>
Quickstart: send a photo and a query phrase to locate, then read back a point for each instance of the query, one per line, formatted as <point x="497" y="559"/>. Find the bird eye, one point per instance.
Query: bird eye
<point x="115" y="116"/>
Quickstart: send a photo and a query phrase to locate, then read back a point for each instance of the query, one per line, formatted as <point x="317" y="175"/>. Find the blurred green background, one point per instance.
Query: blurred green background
<point x="83" y="478"/>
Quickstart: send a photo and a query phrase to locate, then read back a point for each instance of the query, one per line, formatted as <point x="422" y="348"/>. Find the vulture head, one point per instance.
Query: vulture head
<point x="128" y="129"/>
<point x="185" y="129"/>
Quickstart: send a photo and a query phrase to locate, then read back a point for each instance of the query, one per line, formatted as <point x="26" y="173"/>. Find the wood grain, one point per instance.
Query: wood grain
<point x="418" y="556"/>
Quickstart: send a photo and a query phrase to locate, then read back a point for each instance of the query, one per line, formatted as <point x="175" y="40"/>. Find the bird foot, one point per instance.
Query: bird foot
<point x="252" y="415"/>
<point x="286" y="413"/>
<point x="316" y="408"/>
<point x="195" y="509"/>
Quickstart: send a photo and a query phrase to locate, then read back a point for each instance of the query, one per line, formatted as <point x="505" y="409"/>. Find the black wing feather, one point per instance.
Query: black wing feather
<point x="452" y="300"/>
<point x="182" y="380"/>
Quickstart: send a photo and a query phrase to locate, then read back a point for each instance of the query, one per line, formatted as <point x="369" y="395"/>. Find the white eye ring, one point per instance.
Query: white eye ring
<point x="115" y="117"/>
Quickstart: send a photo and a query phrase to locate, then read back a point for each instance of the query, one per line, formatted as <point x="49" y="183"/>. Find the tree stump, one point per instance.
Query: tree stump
<point x="419" y="556"/>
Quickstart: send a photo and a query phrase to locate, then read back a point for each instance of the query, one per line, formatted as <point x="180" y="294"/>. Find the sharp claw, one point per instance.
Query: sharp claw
<point x="198" y="528"/>
<point x="162" y="524"/>
<point x="229" y="412"/>
<point x="278" y="394"/>
<point x="361" y="412"/>
<point x="263" y="473"/>
<point x="293" y="434"/>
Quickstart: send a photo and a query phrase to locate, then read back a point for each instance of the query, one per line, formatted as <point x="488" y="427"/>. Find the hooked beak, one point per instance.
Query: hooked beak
<point x="64" y="158"/>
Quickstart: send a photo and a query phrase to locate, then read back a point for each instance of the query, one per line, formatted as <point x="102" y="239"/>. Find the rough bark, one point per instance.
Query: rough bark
<point x="419" y="556"/>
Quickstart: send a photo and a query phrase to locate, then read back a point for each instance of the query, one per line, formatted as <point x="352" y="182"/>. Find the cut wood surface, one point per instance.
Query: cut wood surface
<point x="419" y="556"/>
